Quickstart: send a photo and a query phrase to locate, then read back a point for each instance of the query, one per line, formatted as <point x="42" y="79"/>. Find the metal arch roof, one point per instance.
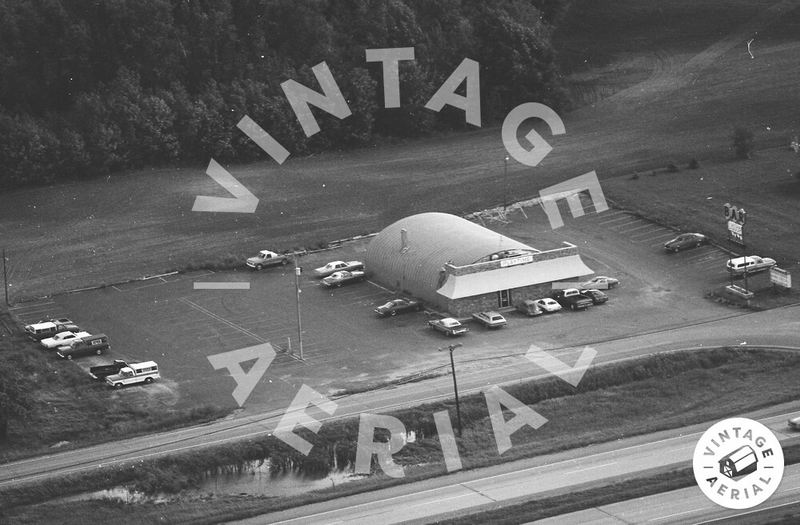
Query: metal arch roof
<point x="433" y="239"/>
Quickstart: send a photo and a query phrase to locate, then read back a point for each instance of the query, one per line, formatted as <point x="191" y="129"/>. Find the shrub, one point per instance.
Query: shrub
<point x="742" y="143"/>
<point x="672" y="168"/>
<point x="693" y="164"/>
<point x="635" y="176"/>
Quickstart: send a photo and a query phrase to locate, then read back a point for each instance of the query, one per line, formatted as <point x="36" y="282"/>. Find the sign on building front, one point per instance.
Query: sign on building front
<point x="780" y="277"/>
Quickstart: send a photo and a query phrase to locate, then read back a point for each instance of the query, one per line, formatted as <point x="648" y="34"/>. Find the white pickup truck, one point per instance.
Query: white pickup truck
<point x="134" y="373"/>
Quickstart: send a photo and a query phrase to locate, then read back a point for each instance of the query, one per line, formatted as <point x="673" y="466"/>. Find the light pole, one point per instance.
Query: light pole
<point x="455" y="384"/>
<point x="297" y="271"/>
<point x="505" y="182"/>
<point x="5" y="278"/>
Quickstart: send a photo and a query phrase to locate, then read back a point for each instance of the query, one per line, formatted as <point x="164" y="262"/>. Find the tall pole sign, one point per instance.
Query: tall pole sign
<point x="736" y="218"/>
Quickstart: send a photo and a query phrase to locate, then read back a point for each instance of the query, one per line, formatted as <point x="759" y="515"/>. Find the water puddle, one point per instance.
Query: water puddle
<point x="255" y="479"/>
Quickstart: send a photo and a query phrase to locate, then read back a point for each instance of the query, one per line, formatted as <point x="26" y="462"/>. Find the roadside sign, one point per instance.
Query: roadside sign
<point x="735" y="232"/>
<point x="780" y="277"/>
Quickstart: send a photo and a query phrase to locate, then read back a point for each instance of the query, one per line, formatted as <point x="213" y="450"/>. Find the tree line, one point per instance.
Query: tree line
<point x="89" y="87"/>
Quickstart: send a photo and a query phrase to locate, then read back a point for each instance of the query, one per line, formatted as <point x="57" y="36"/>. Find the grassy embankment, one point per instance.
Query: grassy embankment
<point x="638" y="397"/>
<point x="66" y="408"/>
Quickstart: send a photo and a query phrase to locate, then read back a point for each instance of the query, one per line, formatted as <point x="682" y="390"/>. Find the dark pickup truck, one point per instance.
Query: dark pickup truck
<point x="572" y="298"/>
<point x="103" y="371"/>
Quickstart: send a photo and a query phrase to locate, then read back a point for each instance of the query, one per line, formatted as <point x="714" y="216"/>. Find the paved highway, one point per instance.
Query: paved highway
<point x="453" y="495"/>
<point x="687" y="505"/>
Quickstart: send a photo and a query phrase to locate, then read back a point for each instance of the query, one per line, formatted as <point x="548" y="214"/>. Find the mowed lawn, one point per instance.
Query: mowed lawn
<point x="697" y="87"/>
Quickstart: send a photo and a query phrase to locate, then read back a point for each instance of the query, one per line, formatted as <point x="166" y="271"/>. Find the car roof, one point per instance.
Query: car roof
<point x="39" y="326"/>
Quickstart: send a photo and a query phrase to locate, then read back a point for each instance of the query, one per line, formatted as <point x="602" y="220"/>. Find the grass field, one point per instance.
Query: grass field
<point x="621" y="400"/>
<point x="68" y="409"/>
<point x="699" y="85"/>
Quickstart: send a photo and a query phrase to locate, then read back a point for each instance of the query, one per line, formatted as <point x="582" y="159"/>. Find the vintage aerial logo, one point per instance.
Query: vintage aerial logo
<point x="738" y="463"/>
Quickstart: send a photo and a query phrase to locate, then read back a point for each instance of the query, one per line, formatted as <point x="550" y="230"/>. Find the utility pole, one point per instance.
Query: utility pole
<point x="505" y="183"/>
<point x="455" y="383"/>
<point x="5" y="278"/>
<point x="297" y="271"/>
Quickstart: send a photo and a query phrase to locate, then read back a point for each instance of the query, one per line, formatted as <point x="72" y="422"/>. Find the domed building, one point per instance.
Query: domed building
<point x="460" y="267"/>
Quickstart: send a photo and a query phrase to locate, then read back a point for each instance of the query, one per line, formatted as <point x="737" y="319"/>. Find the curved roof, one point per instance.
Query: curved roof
<point x="431" y="240"/>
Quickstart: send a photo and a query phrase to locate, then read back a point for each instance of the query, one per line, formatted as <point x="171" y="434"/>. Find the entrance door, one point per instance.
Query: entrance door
<point x="503" y="298"/>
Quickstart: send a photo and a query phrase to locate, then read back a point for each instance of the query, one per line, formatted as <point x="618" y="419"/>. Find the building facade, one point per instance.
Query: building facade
<point x="460" y="267"/>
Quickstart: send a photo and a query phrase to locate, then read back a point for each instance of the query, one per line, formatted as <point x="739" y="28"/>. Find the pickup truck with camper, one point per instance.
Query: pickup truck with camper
<point x="134" y="373"/>
<point x="266" y="258"/>
<point x="103" y="371"/>
<point x="45" y="329"/>
<point x="749" y="264"/>
<point x="572" y="298"/>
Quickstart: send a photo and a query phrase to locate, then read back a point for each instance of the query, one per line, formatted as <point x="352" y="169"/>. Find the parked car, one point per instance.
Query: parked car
<point x="44" y="329"/>
<point x="448" y="326"/>
<point x="794" y="423"/>
<point x="93" y="344"/>
<point x="749" y="264"/>
<point x="490" y="319"/>
<point x="267" y="258"/>
<point x="596" y="296"/>
<point x="344" y="277"/>
<point x="338" y="266"/>
<point x="601" y="282"/>
<point x="529" y="308"/>
<point x="548" y="305"/>
<point x="572" y="298"/>
<point x="685" y="241"/>
<point x="61" y="339"/>
<point x="398" y="306"/>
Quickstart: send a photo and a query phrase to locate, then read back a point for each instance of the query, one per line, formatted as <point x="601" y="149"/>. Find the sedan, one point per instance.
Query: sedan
<point x="340" y="278"/>
<point x="794" y="423"/>
<point x="685" y="241"/>
<point x="548" y="305"/>
<point x="490" y="319"/>
<point x="601" y="282"/>
<point x="448" y="326"/>
<point x="398" y="306"/>
<point x="62" y="339"/>
<point x="338" y="266"/>
<point x="596" y="296"/>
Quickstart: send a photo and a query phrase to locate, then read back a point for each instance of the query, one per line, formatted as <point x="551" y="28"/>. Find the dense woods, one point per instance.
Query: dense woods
<point x="92" y="86"/>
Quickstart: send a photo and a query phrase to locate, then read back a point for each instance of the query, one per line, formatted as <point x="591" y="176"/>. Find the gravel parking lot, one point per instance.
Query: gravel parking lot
<point x="346" y="345"/>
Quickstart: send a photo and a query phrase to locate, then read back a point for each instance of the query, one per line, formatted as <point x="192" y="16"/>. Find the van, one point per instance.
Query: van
<point x="529" y="308"/>
<point x="46" y="329"/>
<point x="90" y="344"/>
